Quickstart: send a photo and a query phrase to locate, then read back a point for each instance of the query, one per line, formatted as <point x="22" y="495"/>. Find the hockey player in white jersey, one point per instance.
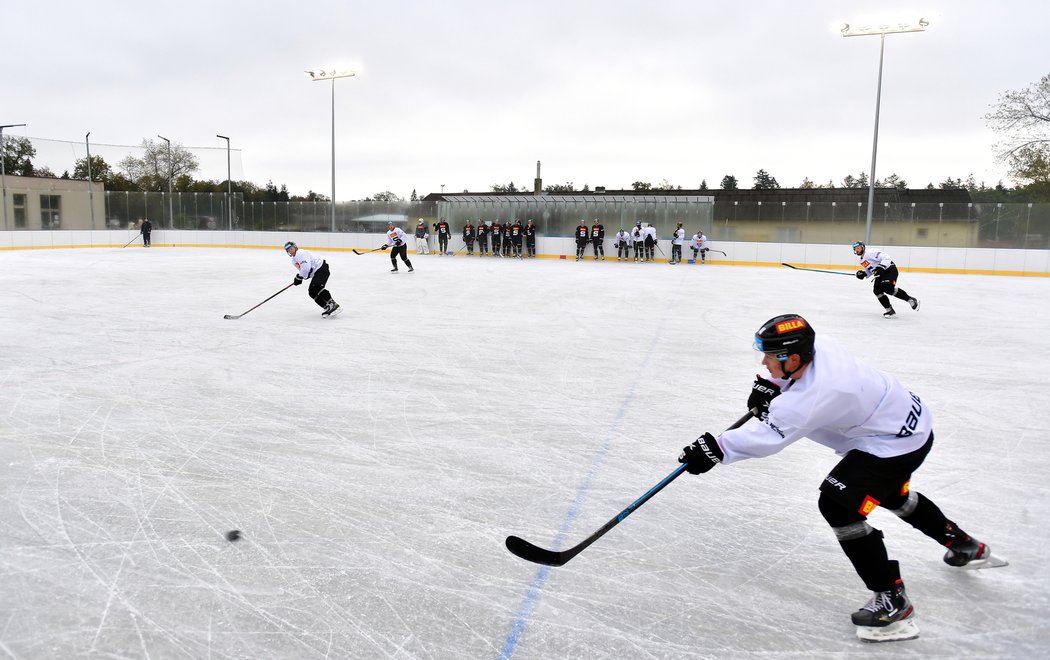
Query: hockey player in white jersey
<point x="676" y="244"/>
<point x="315" y="269"/>
<point x="699" y="246"/>
<point x="883" y="433"/>
<point x="877" y="264"/>
<point x="396" y="239"/>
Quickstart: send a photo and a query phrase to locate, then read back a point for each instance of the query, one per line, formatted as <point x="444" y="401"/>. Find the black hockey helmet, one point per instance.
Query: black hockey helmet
<point x="290" y="245"/>
<point x="859" y="244"/>
<point x="786" y="335"/>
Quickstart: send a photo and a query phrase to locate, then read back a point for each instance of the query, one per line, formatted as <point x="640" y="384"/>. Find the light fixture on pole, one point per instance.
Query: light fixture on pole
<point x="319" y="75"/>
<point x="171" y="213"/>
<point x="882" y="30"/>
<point x="3" y="173"/>
<point x="229" y="183"/>
<point x="91" y="190"/>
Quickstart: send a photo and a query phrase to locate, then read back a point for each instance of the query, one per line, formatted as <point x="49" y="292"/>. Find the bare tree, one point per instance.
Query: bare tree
<point x="151" y="172"/>
<point x="1023" y="117"/>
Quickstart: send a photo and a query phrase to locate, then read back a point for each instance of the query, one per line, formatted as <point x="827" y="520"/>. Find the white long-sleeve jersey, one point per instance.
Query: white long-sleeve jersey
<point x="872" y="259"/>
<point x="679" y="236"/>
<point x="699" y="241"/>
<point x="651" y="231"/>
<point x="841" y="403"/>
<point x="623" y="236"/>
<point x="306" y="263"/>
<point x="393" y="235"/>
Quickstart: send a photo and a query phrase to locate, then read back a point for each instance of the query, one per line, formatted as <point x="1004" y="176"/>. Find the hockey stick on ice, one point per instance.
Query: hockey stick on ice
<point x="130" y="242"/>
<point x="237" y="316"/>
<point x="538" y="555"/>
<point x="367" y="251"/>
<point x="817" y="270"/>
<point x="718" y="251"/>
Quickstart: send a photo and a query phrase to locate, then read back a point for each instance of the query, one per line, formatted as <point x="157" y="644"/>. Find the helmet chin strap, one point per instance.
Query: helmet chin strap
<point x="788" y="374"/>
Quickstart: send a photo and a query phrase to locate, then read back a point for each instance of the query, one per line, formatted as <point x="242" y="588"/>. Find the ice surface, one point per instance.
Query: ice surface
<point x="375" y="462"/>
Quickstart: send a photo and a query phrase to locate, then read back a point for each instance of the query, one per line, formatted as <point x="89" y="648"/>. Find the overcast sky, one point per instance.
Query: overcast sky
<point x="472" y="93"/>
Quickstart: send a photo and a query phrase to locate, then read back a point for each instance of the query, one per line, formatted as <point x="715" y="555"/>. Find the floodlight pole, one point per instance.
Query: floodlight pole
<point x="882" y="31"/>
<point x="91" y="191"/>
<point x="229" y="183"/>
<point x="3" y="173"/>
<point x="171" y="212"/>
<point x="322" y="74"/>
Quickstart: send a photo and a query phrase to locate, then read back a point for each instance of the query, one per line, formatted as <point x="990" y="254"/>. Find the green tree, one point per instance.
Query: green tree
<point x="729" y="182"/>
<point x="559" y="187"/>
<point x="505" y="189"/>
<point x="703" y="184"/>
<point x="849" y="182"/>
<point x="642" y="185"/>
<point x="100" y="169"/>
<point x="807" y="184"/>
<point x="951" y="184"/>
<point x="414" y="197"/>
<point x="385" y="196"/>
<point x="152" y="171"/>
<point x="765" y="181"/>
<point x="892" y="181"/>
<point x="18" y="154"/>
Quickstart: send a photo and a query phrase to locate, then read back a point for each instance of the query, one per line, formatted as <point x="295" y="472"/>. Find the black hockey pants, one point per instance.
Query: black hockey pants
<point x="318" y="280"/>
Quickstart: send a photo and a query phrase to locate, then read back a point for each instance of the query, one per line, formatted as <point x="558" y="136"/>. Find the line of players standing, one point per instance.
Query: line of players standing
<point x="509" y="238"/>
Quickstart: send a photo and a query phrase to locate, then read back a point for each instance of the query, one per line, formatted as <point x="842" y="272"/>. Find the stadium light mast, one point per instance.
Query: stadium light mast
<point x="229" y="183"/>
<point x="171" y="212"/>
<point x="91" y="190"/>
<point x="318" y="75"/>
<point x="3" y="174"/>
<point x="882" y="29"/>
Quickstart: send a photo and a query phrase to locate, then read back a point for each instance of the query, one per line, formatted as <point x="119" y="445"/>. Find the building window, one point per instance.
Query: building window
<point x="19" y="202"/>
<point x="50" y="211"/>
<point x="922" y="232"/>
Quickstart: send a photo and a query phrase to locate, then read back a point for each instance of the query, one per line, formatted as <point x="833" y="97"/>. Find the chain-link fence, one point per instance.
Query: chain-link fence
<point x="67" y="205"/>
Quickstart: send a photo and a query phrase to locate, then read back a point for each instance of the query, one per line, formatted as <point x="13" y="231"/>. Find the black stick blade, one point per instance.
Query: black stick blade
<point x="537" y="555"/>
<point x="231" y="316"/>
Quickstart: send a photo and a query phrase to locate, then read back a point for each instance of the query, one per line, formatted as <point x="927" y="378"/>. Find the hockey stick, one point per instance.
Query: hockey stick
<point x="237" y="316"/>
<point x="817" y="270"/>
<point x="718" y="251"/>
<point x="367" y="251"/>
<point x="129" y="242"/>
<point x="529" y="552"/>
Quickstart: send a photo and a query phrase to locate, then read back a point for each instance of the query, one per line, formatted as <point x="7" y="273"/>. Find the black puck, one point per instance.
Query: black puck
<point x="233" y="535"/>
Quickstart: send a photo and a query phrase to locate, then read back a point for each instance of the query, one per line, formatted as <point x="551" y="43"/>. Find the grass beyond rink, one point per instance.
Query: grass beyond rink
<point x="375" y="462"/>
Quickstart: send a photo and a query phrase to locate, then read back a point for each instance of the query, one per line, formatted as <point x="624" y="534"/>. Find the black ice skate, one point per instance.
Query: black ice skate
<point x="887" y="617"/>
<point x="394" y="269"/>
<point x="410" y="269"/>
<point x="968" y="552"/>
<point x="914" y="302"/>
<point x="889" y="313"/>
<point x="331" y="308"/>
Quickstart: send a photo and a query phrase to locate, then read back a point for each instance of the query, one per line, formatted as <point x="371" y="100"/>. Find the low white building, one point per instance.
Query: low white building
<point x="43" y="203"/>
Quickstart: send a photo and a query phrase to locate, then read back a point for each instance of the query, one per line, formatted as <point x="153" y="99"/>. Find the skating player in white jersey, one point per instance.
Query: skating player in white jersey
<point x="883" y="433"/>
<point x="396" y="239"/>
<point x="877" y="265"/>
<point x="315" y="269"/>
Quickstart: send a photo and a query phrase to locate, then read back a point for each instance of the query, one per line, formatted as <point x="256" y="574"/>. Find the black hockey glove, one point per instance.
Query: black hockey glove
<point x="383" y="247"/>
<point x="702" y="455"/>
<point x="762" y="392"/>
<point x="879" y="271"/>
<point x="398" y="242"/>
<point x="860" y="274"/>
<point x="298" y="280"/>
